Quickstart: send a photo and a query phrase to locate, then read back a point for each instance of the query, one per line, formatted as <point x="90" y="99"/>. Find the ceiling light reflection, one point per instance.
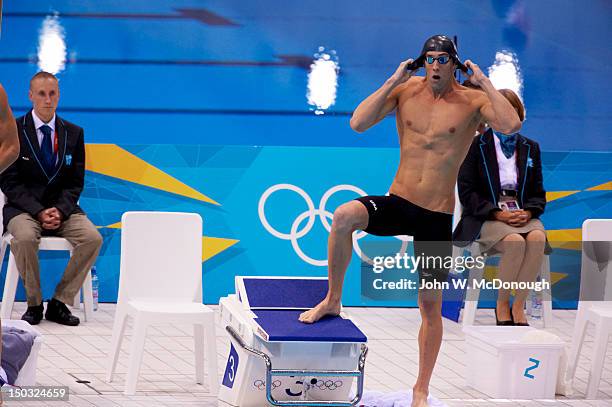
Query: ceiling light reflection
<point x="51" y="46"/>
<point x="323" y="80"/>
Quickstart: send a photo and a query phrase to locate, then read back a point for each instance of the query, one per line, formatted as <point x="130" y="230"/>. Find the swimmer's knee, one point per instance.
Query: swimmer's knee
<point x="430" y="310"/>
<point x="350" y="217"/>
<point x="430" y="302"/>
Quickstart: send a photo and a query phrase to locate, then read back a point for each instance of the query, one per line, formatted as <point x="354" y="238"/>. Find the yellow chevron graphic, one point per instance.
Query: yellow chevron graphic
<point x="575" y="245"/>
<point x="565" y="234"/>
<point x="553" y="195"/>
<point x="569" y="239"/>
<point x="490" y="272"/>
<point x="603" y="187"/>
<point x="211" y="246"/>
<point x="114" y="161"/>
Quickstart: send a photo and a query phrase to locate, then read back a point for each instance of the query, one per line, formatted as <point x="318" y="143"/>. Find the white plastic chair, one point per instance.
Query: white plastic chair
<point x="27" y="374"/>
<point x="12" y="273"/>
<point x="598" y="313"/>
<point x="476" y="273"/>
<point x="160" y="281"/>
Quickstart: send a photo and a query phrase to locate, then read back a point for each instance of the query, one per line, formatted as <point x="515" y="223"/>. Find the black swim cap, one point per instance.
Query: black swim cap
<point x="441" y="43"/>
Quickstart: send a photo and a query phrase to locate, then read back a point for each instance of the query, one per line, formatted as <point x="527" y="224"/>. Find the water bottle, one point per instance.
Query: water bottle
<point x="95" y="283"/>
<point x="536" y="303"/>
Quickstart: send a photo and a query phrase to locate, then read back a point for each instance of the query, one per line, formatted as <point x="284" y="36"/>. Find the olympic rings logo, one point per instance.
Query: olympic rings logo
<point x="328" y="384"/>
<point x="261" y="384"/>
<point x="312" y="213"/>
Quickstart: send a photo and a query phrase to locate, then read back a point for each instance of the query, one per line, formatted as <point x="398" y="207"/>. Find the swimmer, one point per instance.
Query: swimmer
<point x="436" y="121"/>
<point x="9" y="147"/>
<point x="9" y="143"/>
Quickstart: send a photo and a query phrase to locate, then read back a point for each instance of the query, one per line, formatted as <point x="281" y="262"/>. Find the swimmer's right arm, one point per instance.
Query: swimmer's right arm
<point x="382" y="102"/>
<point x="9" y="142"/>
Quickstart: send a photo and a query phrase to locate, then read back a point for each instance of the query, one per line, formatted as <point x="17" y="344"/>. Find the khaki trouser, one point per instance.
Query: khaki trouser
<point x="78" y="230"/>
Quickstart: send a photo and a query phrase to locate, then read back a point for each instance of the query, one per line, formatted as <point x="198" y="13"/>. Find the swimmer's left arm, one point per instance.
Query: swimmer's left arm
<point x="494" y="108"/>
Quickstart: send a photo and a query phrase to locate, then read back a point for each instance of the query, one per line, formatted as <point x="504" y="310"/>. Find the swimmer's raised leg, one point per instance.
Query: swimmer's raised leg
<point x="348" y="218"/>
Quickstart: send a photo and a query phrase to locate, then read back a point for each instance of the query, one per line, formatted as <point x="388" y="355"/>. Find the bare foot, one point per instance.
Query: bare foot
<point x="325" y="307"/>
<point x="419" y="399"/>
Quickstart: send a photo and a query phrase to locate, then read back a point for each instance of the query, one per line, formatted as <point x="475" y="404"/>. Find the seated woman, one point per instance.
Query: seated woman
<point x="501" y="191"/>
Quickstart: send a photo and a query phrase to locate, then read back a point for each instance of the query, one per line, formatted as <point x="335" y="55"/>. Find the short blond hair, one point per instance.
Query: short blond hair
<point x="43" y="75"/>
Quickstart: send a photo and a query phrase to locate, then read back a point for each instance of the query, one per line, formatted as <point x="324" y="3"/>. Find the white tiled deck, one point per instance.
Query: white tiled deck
<point x="73" y="354"/>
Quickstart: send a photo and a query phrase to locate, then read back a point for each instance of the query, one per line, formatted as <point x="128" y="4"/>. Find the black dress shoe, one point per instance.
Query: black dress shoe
<point x="58" y="312"/>
<point x="33" y="314"/>
<point x="498" y="322"/>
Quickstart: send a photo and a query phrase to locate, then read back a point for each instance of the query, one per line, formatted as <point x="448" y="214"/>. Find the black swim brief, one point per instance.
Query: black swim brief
<point x="431" y="231"/>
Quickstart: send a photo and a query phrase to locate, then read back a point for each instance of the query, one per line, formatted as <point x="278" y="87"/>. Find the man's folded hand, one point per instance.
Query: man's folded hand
<point x="50" y="218"/>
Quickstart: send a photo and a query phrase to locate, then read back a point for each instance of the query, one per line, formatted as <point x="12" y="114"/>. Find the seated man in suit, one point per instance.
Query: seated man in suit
<point x="42" y="189"/>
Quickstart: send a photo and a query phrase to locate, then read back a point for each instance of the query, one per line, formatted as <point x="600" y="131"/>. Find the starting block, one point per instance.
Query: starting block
<point x="276" y="360"/>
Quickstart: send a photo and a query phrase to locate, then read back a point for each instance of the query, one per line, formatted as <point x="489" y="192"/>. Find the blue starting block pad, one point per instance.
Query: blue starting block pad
<point x="284" y="326"/>
<point x="269" y="344"/>
<point x="277" y="302"/>
<point x="281" y="293"/>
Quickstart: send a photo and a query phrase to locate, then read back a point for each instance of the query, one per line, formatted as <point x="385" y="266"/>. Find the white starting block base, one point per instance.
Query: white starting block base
<point x="244" y="379"/>
<point x="501" y="364"/>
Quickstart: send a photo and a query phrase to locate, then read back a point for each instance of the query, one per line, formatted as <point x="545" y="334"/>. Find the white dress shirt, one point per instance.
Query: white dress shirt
<point x="38" y="123"/>
<point x="507" y="167"/>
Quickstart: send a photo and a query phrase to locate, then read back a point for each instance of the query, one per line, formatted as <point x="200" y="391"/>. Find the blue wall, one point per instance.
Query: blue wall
<point x="190" y="87"/>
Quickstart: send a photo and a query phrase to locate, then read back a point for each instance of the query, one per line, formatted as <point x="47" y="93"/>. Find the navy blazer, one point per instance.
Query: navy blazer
<point x="479" y="184"/>
<point x="26" y="185"/>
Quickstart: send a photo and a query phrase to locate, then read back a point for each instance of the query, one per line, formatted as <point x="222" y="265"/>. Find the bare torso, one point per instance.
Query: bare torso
<point x="434" y="135"/>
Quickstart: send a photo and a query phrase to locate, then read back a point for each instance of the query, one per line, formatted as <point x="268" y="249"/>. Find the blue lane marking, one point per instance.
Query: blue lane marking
<point x="535" y="366"/>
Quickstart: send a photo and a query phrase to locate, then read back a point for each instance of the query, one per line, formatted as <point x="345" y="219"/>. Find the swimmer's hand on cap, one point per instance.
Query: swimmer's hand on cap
<point x="477" y="77"/>
<point x="402" y="74"/>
